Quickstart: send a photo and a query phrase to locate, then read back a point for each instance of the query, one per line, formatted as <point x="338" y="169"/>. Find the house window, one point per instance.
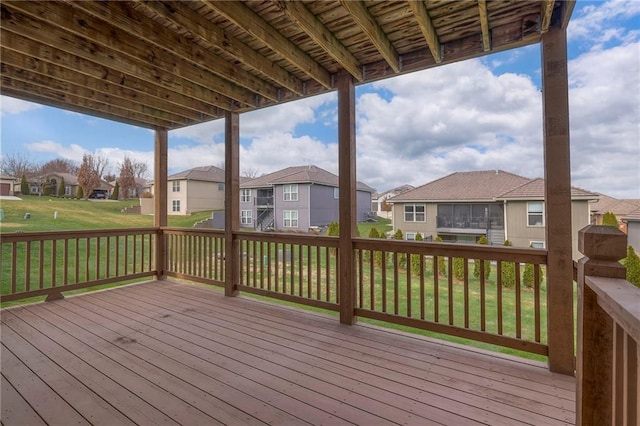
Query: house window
<point x="290" y="218"/>
<point x="291" y="192"/>
<point x="175" y="205"/>
<point x="246" y="217"/>
<point x="336" y="193"/>
<point x="175" y="186"/>
<point x="374" y="206"/>
<point x="536" y="244"/>
<point x="67" y="190"/>
<point x="535" y="214"/>
<point x="414" y="213"/>
<point x="411" y="236"/>
<point x="245" y="195"/>
<point x="221" y="187"/>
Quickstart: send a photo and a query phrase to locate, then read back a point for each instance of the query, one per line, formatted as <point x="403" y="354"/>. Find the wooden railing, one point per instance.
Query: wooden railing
<point x="195" y="254"/>
<point x="608" y="332"/>
<point x="47" y="263"/>
<point x="297" y="268"/>
<point x="490" y="294"/>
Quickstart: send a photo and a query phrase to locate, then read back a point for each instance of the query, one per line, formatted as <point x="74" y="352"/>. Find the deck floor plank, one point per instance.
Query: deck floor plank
<point x="15" y="410"/>
<point x="167" y="352"/>
<point x="434" y="391"/>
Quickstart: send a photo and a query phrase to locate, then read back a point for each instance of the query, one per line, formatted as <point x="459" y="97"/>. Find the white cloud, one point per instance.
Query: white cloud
<point x="10" y="105"/>
<point x="599" y="22"/>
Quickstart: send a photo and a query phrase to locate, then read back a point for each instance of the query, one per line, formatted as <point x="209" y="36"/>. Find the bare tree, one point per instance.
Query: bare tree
<point x="100" y="163"/>
<point x="17" y="165"/>
<point x="59" y="165"/>
<point x="126" y="180"/>
<point x="88" y="177"/>
<point x="140" y="169"/>
<point x="250" y="173"/>
<point x="110" y="177"/>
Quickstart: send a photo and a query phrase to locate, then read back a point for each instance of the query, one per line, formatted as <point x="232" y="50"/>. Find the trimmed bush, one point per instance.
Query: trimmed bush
<point x="609" y="219"/>
<point x="487" y="263"/>
<point x="508" y="271"/>
<point x="632" y="262"/>
<point x="24" y="185"/>
<point x="402" y="258"/>
<point x="442" y="263"/>
<point x="80" y="193"/>
<point x="415" y="258"/>
<point x="116" y="191"/>
<point x="333" y="230"/>
<point x="61" y="188"/>
<point x="527" y="276"/>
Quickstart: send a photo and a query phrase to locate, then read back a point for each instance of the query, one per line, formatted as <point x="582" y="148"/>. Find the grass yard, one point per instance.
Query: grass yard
<point x="79" y="215"/>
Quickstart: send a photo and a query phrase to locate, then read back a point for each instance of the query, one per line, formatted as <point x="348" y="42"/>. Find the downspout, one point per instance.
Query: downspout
<point x="504" y="212"/>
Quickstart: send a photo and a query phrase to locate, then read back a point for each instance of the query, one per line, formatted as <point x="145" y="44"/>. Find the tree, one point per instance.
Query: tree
<point x="47" y="188"/>
<point x="458" y="268"/>
<point x="250" y="173"/>
<point x="528" y="276"/>
<point x="88" y="178"/>
<point x="385" y="206"/>
<point x="402" y="258"/>
<point x="140" y="169"/>
<point x="610" y="219"/>
<point x="24" y="185"/>
<point x="442" y="264"/>
<point x="126" y="179"/>
<point x="110" y="177"/>
<point x="17" y="164"/>
<point x="61" y="187"/>
<point x="487" y="263"/>
<point x="59" y="165"/>
<point x="632" y="262"/>
<point x="508" y="271"/>
<point x="116" y="192"/>
<point x="415" y="258"/>
<point x="99" y="164"/>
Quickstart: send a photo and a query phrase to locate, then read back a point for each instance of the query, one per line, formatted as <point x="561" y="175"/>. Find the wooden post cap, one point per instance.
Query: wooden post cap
<point x="602" y="242"/>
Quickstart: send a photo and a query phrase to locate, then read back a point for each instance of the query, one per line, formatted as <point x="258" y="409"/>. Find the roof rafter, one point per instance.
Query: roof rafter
<point x="215" y="37"/>
<point x="546" y="12"/>
<point x="247" y="19"/>
<point x="426" y="26"/>
<point x="120" y="16"/>
<point x="315" y="29"/>
<point x="22" y="22"/>
<point x="28" y="50"/>
<point x="484" y="24"/>
<point x="368" y="24"/>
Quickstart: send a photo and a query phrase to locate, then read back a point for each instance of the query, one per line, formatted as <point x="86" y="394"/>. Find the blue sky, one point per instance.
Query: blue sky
<point x="480" y="114"/>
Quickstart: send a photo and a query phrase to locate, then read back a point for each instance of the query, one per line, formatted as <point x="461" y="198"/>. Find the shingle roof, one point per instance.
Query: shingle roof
<point x="204" y="173"/>
<point x="618" y="207"/>
<point x="69" y="179"/>
<point x="477" y="186"/>
<point x="395" y="191"/>
<point x="634" y="216"/>
<point x="534" y="189"/>
<point x="299" y="174"/>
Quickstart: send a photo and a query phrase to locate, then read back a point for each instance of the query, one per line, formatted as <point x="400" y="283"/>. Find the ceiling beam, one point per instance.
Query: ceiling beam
<point x="484" y="24"/>
<point x="307" y="21"/>
<point x="27" y="49"/>
<point x="213" y="36"/>
<point x="48" y="96"/>
<point x="567" y="11"/>
<point x="163" y="72"/>
<point x="90" y="95"/>
<point x="120" y="15"/>
<point x="426" y="26"/>
<point x="121" y="94"/>
<point x="369" y="25"/>
<point x="245" y="18"/>
<point x="546" y="12"/>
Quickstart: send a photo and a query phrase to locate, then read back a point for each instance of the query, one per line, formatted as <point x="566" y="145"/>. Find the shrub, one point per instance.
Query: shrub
<point x="116" y="191"/>
<point x="47" y="188"/>
<point x="24" y="185"/>
<point x="415" y="258"/>
<point x="508" y="271"/>
<point x="487" y="263"/>
<point x="402" y="258"/>
<point x="373" y="233"/>
<point x="610" y="219"/>
<point x="458" y="268"/>
<point x="80" y="193"/>
<point x="632" y="262"/>
<point x="61" y="188"/>
<point x="378" y="257"/>
<point x="442" y="263"/>
<point x="333" y="230"/>
<point x="527" y="276"/>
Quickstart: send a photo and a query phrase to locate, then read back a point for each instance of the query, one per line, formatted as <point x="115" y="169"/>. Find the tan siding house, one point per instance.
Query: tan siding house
<point x="464" y="206"/>
<point x="194" y="190"/>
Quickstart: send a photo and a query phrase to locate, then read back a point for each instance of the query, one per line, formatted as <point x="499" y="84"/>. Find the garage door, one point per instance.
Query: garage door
<point x="5" y="189"/>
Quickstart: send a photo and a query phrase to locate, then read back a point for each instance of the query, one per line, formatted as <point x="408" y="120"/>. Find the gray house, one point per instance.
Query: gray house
<point x="296" y="198"/>
<point x="632" y="221"/>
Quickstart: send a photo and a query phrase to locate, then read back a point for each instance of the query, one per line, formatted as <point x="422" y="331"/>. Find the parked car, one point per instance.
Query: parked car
<point x="98" y="194"/>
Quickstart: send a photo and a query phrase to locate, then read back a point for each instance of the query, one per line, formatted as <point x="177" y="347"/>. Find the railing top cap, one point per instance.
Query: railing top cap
<point x="602" y="242"/>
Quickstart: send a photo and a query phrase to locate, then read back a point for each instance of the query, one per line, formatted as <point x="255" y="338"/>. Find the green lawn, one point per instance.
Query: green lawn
<point x="79" y="214"/>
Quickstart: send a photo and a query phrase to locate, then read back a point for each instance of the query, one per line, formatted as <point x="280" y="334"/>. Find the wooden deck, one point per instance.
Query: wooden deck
<point x="169" y="353"/>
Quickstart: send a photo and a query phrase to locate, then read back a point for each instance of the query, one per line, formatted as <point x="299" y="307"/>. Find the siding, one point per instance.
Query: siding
<point x="323" y="206"/>
<point x="427" y="228"/>
<point x="633" y="235"/>
<point x="363" y="205"/>
<point x="249" y="205"/>
<point x="203" y="196"/>
<point x="302" y="206"/>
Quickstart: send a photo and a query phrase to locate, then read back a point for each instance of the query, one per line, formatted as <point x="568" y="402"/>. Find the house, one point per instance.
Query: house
<point x="296" y="198"/>
<point x="464" y="206"/>
<point x="7" y="184"/>
<point x="379" y="204"/>
<point x="620" y="208"/>
<point x="193" y="190"/>
<point x="50" y="184"/>
<point x="632" y="226"/>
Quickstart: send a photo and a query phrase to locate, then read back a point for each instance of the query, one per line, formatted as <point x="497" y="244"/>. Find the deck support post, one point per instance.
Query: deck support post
<point x="231" y="202"/>
<point x="602" y="246"/>
<point x="347" y="197"/>
<point x="160" y="198"/>
<point x="557" y="173"/>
